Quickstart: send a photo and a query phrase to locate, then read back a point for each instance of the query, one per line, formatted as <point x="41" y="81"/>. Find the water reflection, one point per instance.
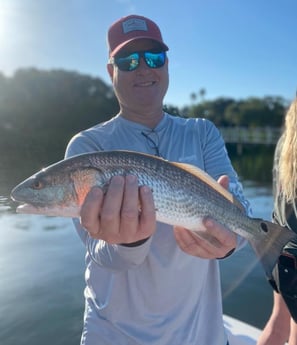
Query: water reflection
<point x="41" y="281"/>
<point x="4" y="205"/>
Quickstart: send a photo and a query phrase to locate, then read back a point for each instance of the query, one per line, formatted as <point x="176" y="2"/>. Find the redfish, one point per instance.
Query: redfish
<point x="183" y="196"/>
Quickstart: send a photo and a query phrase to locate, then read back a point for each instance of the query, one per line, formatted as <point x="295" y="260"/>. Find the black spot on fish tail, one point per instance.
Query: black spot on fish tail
<point x="270" y="243"/>
<point x="264" y="227"/>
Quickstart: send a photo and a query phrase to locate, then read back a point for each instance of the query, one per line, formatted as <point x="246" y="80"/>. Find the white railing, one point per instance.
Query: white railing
<point x="245" y="135"/>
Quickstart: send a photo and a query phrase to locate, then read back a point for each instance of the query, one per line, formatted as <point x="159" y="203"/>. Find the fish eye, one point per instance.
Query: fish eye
<point x="37" y="184"/>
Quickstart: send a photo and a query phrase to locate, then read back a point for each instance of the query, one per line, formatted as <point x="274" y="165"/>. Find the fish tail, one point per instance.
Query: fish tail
<point x="269" y="247"/>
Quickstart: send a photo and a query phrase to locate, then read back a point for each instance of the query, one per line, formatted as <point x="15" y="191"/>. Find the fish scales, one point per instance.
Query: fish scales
<point x="179" y="197"/>
<point x="183" y="195"/>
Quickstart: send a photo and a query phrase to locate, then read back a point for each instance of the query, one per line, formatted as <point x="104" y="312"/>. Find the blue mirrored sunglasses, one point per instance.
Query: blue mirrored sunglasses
<point x="131" y="61"/>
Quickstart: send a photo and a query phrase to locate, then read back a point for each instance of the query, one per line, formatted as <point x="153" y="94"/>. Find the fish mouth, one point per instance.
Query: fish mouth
<point x="72" y="211"/>
<point x="22" y="206"/>
<point x="25" y="207"/>
<point x="28" y="209"/>
<point x="20" y="197"/>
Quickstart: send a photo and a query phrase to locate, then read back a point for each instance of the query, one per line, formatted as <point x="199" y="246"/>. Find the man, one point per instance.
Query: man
<point x="147" y="282"/>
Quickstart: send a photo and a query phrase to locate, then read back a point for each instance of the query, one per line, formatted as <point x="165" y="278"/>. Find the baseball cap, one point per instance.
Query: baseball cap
<point x="130" y="28"/>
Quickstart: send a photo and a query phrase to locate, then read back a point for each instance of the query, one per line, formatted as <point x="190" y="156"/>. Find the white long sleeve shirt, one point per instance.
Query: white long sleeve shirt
<point x="154" y="293"/>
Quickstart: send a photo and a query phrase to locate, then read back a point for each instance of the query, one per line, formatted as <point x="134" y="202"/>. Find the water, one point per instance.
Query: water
<point x="246" y="293"/>
<point x="42" y="276"/>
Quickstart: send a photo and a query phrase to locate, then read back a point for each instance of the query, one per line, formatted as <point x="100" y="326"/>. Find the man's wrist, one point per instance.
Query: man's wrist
<point x="228" y="254"/>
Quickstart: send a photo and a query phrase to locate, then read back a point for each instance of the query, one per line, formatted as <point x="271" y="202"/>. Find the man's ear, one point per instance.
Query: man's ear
<point x="110" y="70"/>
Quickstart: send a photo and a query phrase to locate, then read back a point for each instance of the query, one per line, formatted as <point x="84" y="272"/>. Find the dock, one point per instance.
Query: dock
<point x="246" y="135"/>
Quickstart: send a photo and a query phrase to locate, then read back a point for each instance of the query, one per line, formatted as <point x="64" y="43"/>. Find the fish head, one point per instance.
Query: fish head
<point x="55" y="191"/>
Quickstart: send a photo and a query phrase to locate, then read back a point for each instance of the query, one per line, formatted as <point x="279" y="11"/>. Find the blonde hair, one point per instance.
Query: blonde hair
<point x="288" y="155"/>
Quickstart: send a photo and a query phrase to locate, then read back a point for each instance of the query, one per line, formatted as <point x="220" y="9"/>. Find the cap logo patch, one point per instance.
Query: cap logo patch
<point x="134" y="24"/>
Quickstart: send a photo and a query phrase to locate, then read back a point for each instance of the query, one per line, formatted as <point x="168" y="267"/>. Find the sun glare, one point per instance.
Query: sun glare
<point x="5" y="20"/>
<point x="9" y="20"/>
<point x="9" y="34"/>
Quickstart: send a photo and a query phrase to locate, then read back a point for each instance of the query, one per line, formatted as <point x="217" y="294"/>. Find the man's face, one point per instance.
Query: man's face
<point x="143" y="86"/>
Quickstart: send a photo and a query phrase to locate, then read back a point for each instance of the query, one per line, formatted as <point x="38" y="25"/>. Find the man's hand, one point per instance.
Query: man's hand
<point x="212" y="242"/>
<point x="124" y="214"/>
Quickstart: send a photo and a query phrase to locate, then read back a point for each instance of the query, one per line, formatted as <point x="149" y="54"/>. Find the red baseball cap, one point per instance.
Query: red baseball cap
<point x="130" y="28"/>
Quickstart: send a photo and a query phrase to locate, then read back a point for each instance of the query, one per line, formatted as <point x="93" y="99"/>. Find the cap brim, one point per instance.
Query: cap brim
<point x="123" y="44"/>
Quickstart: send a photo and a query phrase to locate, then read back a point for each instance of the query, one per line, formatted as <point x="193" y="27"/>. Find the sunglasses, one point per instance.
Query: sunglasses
<point x="131" y="61"/>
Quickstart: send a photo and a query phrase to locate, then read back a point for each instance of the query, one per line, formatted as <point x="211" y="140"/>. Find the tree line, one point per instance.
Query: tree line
<point x="250" y="112"/>
<point x="41" y="110"/>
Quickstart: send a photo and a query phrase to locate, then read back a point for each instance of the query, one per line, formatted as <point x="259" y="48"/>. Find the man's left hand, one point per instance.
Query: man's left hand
<point x="214" y="241"/>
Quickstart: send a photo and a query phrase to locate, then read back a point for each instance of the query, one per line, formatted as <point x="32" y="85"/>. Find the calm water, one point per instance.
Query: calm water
<point x="42" y="265"/>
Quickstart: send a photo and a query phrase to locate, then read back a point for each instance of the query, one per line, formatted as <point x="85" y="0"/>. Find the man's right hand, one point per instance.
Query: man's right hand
<point x="124" y="214"/>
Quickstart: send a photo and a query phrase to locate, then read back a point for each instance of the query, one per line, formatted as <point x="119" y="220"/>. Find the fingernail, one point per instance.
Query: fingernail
<point x="146" y="189"/>
<point x="208" y="222"/>
<point x="131" y="179"/>
<point x="118" y="179"/>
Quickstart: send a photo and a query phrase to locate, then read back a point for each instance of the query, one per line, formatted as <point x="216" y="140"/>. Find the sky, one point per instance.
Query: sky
<point x="230" y="48"/>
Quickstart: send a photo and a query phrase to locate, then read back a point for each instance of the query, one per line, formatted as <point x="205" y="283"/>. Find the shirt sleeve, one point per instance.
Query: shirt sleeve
<point x="218" y="163"/>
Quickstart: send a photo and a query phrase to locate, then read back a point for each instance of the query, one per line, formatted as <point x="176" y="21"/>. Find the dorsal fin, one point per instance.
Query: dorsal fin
<point x="202" y="175"/>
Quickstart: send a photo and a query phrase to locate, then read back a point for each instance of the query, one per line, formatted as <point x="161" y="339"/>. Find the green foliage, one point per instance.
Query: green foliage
<point x="212" y="110"/>
<point x="42" y="110"/>
<point x="252" y="112"/>
<point x="254" y="163"/>
<point x="255" y="112"/>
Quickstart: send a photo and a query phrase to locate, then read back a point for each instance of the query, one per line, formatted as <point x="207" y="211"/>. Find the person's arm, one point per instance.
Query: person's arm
<point x="115" y="257"/>
<point x="118" y="239"/>
<point x="118" y="232"/>
<point x="217" y="163"/>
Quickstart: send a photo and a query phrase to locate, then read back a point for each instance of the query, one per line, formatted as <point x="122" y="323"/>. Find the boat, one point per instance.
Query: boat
<point x="239" y="332"/>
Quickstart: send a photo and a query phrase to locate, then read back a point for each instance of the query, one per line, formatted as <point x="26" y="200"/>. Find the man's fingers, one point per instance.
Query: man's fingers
<point x="148" y="212"/>
<point x="191" y="243"/>
<point x="89" y="214"/>
<point x="129" y="221"/>
<point x="224" y="181"/>
<point x="111" y="208"/>
<point x="124" y="214"/>
<point x="223" y="236"/>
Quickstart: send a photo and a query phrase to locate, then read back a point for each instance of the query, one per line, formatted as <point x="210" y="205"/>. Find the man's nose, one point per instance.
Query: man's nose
<point x="142" y="64"/>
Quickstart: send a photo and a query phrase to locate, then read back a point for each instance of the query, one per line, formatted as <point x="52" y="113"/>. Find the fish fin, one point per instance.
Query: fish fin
<point x="206" y="178"/>
<point x="83" y="181"/>
<point x="269" y="248"/>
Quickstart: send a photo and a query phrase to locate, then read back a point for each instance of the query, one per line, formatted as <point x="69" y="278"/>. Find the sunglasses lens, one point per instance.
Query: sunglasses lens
<point x="155" y="60"/>
<point x="127" y="63"/>
<point x="131" y="62"/>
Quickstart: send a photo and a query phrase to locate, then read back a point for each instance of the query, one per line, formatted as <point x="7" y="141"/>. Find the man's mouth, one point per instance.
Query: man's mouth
<point x="145" y="84"/>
